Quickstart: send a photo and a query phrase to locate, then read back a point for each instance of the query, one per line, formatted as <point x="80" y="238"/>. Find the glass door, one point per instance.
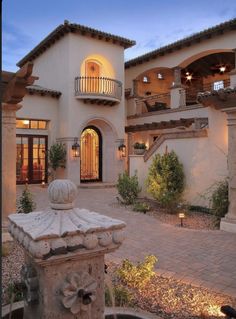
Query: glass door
<point x="31" y="159"/>
<point x="91" y="147"/>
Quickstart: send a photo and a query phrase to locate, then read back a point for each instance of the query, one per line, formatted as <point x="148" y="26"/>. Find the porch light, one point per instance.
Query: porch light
<point x="76" y="148"/>
<point x="222" y="69"/>
<point x="160" y="76"/>
<point x="122" y="150"/>
<point x="181" y="217"/>
<point x="188" y="76"/>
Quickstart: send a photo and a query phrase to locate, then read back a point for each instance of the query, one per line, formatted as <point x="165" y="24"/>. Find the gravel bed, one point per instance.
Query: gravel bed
<point x="170" y="298"/>
<point x="11" y="266"/>
<point x="193" y="220"/>
<point x="166" y="297"/>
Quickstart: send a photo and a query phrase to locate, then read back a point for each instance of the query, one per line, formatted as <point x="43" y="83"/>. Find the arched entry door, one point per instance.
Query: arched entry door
<point x="91" y="155"/>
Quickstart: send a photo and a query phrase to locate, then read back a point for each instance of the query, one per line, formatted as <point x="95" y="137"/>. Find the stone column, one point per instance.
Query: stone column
<point x="177" y="91"/>
<point x="64" y="256"/>
<point x="233" y="73"/>
<point x="229" y="222"/>
<point x="8" y="160"/>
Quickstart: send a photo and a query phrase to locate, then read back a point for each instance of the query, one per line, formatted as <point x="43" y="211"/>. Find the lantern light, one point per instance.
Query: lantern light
<point x="122" y="150"/>
<point x="76" y="148"/>
<point x="181" y="217"/>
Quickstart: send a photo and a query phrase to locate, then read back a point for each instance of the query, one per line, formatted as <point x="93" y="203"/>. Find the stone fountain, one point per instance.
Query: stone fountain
<point x="64" y="256"/>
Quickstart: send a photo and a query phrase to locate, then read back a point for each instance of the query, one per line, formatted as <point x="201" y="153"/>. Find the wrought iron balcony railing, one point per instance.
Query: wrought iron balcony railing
<point x="98" y="89"/>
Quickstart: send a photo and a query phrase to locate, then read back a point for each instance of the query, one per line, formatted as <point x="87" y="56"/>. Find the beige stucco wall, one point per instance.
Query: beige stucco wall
<point x="226" y="42"/>
<point x="40" y="108"/>
<point x="204" y="159"/>
<point x="57" y="68"/>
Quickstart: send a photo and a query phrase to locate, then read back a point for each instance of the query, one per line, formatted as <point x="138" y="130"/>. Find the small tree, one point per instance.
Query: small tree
<point x="128" y="188"/>
<point x="57" y="156"/>
<point x="165" y="181"/>
<point x="26" y="203"/>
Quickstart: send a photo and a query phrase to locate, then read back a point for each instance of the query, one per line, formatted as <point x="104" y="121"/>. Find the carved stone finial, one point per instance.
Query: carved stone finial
<point x="62" y="193"/>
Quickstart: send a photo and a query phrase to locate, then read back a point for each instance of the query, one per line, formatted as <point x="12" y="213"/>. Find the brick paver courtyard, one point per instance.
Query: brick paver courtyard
<point x="200" y="257"/>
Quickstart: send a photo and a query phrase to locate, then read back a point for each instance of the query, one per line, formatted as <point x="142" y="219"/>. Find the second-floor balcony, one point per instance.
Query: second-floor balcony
<point x="98" y="90"/>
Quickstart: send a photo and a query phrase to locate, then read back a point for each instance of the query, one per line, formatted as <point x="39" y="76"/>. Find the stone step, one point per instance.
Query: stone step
<point x="96" y="185"/>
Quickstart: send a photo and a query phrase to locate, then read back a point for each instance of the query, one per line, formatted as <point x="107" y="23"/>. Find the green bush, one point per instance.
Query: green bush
<point x="165" y="181"/>
<point x="57" y="156"/>
<point x="121" y="296"/>
<point x="137" y="276"/>
<point x="219" y="199"/>
<point x="141" y="207"/>
<point x="128" y="188"/>
<point x="26" y="203"/>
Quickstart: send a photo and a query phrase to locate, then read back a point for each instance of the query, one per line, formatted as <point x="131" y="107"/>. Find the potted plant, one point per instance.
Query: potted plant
<point x="139" y="148"/>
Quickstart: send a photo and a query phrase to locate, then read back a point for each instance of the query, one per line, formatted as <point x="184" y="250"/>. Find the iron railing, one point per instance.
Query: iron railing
<point x="98" y="87"/>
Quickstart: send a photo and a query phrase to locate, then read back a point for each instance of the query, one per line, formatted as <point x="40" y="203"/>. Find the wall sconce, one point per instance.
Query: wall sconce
<point x="122" y="150"/>
<point x="181" y="217"/>
<point x="76" y="148"/>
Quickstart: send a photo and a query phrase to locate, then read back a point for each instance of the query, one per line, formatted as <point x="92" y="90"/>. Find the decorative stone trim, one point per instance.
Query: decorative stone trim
<point x="62" y="228"/>
<point x="79" y="291"/>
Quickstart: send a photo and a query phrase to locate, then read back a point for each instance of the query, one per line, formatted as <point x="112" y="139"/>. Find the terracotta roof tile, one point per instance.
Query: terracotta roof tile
<point x="43" y="91"/>
<point x="205" y="34"/>
<point x="67" y="27"/>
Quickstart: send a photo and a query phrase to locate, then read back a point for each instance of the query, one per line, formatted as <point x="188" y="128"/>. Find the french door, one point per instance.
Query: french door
<point x="31" y="159"/>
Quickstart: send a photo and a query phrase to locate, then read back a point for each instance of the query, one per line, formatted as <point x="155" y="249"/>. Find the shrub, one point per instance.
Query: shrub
<point x="26" y="203"/>
<point x="121" y="296"/>
<point x="137" y="276"/>
<point x="141" y="207"/>
<point x="57" y="156"/>
<point x="165" y="181"/>
<point x="219" y="199"/>
<point x="128" y="188"/>
<point x="140" y="146"/>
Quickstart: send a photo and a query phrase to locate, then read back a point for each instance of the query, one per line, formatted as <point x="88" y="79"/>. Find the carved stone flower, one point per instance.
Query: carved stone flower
<point x="79" y="291"/>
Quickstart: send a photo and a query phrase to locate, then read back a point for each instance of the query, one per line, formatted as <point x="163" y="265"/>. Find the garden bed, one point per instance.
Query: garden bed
<point x="193" y="220"/>
<point x="169" y="298"/>
<point x="165" y="297"/>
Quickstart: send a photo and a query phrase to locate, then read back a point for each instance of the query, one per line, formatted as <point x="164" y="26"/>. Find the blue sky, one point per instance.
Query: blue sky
<point x="151" y="23"/>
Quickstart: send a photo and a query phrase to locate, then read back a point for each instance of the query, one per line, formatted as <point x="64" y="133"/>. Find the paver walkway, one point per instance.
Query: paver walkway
<point x="200" y="257"/>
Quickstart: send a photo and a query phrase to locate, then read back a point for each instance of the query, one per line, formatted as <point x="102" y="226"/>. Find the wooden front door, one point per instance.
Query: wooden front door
<point x="92" y="74"/>
<point x="31" y="159"/>
<point x="91" y="155"/>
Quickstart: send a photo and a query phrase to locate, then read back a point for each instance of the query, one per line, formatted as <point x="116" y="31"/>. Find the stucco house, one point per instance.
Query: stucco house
<point x="86" y="94"/>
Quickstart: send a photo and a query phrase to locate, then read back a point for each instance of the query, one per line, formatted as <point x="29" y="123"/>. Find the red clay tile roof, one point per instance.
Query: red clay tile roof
<point x="42" y="91"/>
<point x="67" y="27"/>
<point x="195" y="38"/>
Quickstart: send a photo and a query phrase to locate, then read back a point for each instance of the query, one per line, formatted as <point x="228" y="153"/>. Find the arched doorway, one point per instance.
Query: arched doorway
<point x="91" y="155"/>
